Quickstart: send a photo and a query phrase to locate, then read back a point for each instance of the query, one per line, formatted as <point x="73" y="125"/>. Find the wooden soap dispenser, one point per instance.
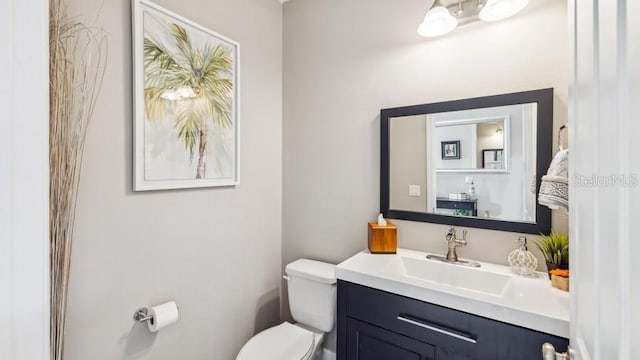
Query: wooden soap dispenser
<point x="382" y="237"/>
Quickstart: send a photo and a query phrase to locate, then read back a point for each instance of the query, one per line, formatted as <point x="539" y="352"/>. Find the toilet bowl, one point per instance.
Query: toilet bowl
<point x="312" y="300"/>
<point x="283" y="342"/>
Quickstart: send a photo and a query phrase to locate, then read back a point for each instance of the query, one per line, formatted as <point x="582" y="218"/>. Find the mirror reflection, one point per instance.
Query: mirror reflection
<point x="469" y="163"/>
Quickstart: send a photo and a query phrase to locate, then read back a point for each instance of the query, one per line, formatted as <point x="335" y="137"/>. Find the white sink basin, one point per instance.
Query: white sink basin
<point x="491" y="291"/>
<point x="473" y="279"/>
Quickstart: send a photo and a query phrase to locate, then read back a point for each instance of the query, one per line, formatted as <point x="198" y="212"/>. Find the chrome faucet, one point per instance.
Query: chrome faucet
<point x="453" y="242"/>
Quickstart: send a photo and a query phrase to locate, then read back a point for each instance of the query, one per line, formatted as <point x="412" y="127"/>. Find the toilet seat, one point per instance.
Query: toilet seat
<point x="283" y="342"/>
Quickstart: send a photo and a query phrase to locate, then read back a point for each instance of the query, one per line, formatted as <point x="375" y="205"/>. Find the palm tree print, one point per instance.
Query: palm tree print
<point x="191" y="87"/>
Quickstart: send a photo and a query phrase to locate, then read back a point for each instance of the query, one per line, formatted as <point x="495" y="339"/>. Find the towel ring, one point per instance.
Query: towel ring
<point x="562" y="128"/>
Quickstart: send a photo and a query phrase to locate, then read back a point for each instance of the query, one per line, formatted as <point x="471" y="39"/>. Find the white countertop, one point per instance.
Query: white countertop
<point x="527" y="302"/>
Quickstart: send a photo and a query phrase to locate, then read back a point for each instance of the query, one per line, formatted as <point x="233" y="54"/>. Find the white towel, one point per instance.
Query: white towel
<point x="554" y="189"/>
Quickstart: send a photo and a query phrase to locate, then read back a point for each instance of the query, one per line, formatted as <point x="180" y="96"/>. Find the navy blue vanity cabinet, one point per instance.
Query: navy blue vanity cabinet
<point x="377" y="325"/>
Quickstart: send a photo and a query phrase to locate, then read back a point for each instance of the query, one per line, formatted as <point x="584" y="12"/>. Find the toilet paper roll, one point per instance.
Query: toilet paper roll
<point x="163" y="316"/>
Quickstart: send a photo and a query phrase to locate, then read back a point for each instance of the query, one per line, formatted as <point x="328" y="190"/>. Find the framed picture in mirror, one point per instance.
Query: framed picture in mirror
<point x="450" y="150"/>
<point x="492" y="159"/>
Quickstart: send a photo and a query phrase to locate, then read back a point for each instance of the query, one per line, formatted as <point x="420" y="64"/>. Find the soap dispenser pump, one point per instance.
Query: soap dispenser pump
<point x="521" y="260"/>
<point x="473" y="192"/>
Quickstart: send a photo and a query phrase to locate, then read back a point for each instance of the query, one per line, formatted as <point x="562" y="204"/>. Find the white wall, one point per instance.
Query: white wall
<point x="216" y="252"/>
<point x="24" y="180"/>
<point x="344" y="61"/>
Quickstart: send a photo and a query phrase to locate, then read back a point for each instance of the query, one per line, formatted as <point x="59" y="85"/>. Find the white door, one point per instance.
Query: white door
<point x="605" y="179"/>
<point x="24" y="180"/>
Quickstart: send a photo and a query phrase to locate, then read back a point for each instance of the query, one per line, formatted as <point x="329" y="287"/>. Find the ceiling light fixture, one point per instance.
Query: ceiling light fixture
<point x="445" y="15"/>
<point x="496" y="10"/>
<point x="438" y="21"/>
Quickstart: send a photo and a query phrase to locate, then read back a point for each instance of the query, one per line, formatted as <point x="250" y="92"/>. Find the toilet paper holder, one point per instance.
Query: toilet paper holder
<point x="142" y="315"/>
<point x="157" y="317"/>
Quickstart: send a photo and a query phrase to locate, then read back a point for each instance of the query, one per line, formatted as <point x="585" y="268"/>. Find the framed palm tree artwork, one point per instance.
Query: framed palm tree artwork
<point x="186" y="102"/>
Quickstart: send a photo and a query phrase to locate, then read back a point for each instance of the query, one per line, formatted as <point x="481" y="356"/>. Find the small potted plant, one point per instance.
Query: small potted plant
<point x="555" y="249"/>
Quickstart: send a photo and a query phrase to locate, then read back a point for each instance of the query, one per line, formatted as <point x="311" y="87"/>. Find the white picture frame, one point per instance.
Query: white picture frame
<point x="204" y="114"/>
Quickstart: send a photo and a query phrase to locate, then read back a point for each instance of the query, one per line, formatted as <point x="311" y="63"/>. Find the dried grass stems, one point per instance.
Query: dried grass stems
<point x="77" y="63"/>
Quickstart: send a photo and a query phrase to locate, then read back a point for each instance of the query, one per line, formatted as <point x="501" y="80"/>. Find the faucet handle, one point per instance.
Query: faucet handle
<point x="463" y="241"/>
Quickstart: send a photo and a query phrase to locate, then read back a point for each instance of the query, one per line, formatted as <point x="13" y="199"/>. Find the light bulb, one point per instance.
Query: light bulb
<point x="438" y="21"/>
<point x="495" y="10"/>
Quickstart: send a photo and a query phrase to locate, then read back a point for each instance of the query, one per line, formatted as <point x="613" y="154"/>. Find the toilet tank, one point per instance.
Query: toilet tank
<point x="312" y="293"/>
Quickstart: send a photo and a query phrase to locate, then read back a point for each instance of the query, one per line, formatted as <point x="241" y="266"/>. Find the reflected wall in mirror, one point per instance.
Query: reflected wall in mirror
<point x="475" y="134"/>
<point x="475" y="162"/>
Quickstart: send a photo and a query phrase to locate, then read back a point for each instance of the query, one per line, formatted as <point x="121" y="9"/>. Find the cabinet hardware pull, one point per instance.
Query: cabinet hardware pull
<point x="436" y="329"/>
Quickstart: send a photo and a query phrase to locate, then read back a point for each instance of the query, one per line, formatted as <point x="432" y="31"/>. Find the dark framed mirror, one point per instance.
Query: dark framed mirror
<point x="474" y="162"/>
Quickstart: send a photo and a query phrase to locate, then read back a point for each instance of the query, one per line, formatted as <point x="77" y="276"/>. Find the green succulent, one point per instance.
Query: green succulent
<point x="554" y="248"/>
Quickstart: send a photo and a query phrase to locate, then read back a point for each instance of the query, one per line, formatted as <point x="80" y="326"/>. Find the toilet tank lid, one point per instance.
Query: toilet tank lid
<point x="313" y="270"/>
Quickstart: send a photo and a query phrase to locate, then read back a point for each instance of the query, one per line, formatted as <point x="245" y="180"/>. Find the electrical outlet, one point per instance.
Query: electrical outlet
<point x="414" y="190"/>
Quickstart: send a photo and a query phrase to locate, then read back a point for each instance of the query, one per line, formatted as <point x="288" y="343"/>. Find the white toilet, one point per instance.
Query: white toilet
<point x="312" y="300"/>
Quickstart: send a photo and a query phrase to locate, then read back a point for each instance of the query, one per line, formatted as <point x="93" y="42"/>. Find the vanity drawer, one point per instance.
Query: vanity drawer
<point x="422" y="321"/>
<point x="455" y="334"/>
